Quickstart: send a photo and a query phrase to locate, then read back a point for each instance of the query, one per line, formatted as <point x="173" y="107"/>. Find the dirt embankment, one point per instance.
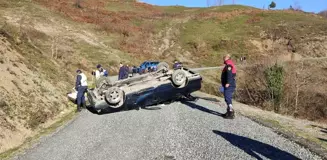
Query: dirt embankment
<point x="38" y="59"/>
<point x="27" y="99"/>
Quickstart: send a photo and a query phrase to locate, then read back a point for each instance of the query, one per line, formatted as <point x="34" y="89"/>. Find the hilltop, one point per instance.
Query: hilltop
<point x="44" y="42"/>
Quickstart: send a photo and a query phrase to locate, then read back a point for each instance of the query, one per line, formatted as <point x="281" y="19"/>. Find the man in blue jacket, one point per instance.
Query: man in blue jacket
<point x="80" y="87"/>
<point x="123" y="72"/>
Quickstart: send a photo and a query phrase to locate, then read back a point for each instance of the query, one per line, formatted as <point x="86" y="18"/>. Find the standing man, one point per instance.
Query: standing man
<point x="126" y="70"/>
<point x="80" y="87"/>
<point x="122" y="72"/>
<point x="101" y="71"/>
<point x="228" y="82"/>
<point x="177" y="65"/>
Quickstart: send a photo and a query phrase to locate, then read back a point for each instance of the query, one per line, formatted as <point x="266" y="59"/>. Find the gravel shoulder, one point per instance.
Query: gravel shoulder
<point x="180" y="130"/>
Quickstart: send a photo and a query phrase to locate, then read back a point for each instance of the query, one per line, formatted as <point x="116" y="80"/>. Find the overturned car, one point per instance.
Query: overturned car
<point x="157" y="87"/>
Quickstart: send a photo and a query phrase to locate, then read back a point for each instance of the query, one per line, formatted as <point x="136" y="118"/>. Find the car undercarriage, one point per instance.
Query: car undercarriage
<point x="146" y="89"/>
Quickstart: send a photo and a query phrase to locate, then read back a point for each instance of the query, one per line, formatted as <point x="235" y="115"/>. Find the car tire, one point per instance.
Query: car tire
<point x="163" y="65"/>
<point x="115" y="97"/>
<point x="179" y="77"/>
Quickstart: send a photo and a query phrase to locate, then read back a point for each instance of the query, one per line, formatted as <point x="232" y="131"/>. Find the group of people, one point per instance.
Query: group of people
<point x="81" y="81"/>
<point x="228" y="83"/>
<point x="81" y="84"/>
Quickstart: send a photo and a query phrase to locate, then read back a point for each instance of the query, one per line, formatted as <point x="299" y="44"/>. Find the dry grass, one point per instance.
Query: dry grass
<point x="122" y="18"/>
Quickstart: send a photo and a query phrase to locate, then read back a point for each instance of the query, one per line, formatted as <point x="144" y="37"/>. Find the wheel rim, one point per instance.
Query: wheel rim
<point x="180" y="78"/>
<point x="114" y="96"/>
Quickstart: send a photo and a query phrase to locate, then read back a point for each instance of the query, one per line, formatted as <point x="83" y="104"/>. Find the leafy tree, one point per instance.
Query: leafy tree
<point x="272" y="4"/>
<point x="274" y="77"/>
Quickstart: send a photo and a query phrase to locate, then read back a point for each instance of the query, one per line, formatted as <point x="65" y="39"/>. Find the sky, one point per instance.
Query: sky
<point x="306" y="5"/>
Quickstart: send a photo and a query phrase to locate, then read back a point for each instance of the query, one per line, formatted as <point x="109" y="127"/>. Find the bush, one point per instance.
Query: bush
<point x="272" y="4"/>
<point x="274" y="77"/>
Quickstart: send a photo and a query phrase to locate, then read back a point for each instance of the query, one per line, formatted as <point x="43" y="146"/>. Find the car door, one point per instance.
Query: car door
<point x="165" y="92"/>
<point x="144" y="97"/>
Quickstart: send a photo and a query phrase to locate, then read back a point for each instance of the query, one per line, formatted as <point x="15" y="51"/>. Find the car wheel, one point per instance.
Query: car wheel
<point x="179" y="77"/>
<point x="162" y="65"/>
<point x="115" y="97"/>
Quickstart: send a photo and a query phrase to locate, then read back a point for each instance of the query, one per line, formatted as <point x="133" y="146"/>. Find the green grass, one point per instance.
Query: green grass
<point x="232" y="35"/>
<point x="220" y="37"/>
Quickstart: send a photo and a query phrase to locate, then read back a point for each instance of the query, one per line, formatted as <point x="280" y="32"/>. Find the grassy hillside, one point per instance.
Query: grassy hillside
<point x="43" y="43"/>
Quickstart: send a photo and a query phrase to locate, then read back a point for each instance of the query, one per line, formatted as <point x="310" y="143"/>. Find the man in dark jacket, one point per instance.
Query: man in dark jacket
<point x="123" y="72"/>
<point x="177" y="65"/>
<point x="228" y="82"/>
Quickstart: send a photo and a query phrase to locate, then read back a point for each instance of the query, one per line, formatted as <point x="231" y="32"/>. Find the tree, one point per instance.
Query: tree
<point x="272" y="4"/>
<point x="301" y="80"/>
<point x="274" y="78"/>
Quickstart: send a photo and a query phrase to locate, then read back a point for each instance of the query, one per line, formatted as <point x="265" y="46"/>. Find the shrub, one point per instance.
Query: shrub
<point x="272" y="4"/>
<point x="274" y="77"/>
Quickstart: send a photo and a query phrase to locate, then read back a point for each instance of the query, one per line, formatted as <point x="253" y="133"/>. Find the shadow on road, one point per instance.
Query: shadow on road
<point x="103" y="111"/>
<point x="253" y="147"/>
<point x="325" y="140"/>
<point x="203" y="109"/>
<point x="111" y="110"/>
<point x="324" y="130"/>
<point x="209" y="99"/>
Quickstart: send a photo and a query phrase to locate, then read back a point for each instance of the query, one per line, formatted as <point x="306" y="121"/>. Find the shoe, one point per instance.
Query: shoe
<point x="229" y="115"/>
<point x="79" y="109"/>
<point x="232" y="114"/>
<point x="84" y="105"/>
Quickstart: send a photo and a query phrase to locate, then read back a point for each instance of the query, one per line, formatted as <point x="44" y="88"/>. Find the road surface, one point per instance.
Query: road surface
<point x="180" y="130"/>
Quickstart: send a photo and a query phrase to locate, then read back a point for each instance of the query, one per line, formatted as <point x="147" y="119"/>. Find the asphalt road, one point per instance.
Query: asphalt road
<point x="180" y="130"/>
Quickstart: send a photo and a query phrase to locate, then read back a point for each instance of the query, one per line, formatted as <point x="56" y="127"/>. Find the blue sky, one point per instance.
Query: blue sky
<point x="306" y="5"/>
